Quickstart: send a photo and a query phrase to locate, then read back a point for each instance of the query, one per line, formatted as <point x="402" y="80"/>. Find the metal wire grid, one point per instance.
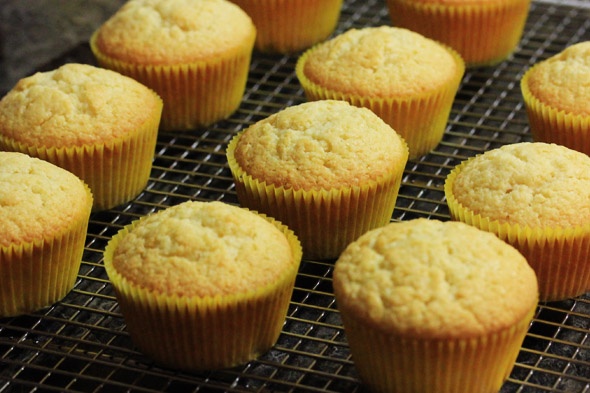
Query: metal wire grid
<point x="80" y="344"/>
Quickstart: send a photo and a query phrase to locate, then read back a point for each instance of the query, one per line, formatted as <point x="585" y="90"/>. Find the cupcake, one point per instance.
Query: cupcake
<point x="203" y="285"/>
<point x="96" y="123"/>
<point x="431" y="306"/>
<point x="556" y="98"/>
<point x="408" y="80"/>
<point x="484" y="32"/>
<point x="328" y="170"/>
<point x="194" y="53"/>
<point x="286" y="26"/>
<point x="44" y="213"/>
<point x="535" y="196"/>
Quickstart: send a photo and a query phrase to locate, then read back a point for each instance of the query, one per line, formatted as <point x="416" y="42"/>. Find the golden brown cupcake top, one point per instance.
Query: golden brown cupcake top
<point x="530" y="184"/>
<point x="381" y="62"/>
<point x="320" y="144"/>
<point x="561" y="80"/>
<point x="203" y="249"/>
<point x="38" y="200"/>
<point x="167" y="32"/>
<point x="427" y="278"/>
<point x="75" y="105"/>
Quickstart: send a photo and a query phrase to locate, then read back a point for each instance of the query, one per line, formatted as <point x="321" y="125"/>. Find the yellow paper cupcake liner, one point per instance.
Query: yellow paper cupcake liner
<point x="421" y="120"/>
<point x="116" y="171"/>
<point x="559" y="256"/>
<point x="484" y="33"/>
<point x="41" y="272"/>
<point x="286" y="26"/>
<point x="551" y="125"/>
<point x="325" y="221"/>
<point x="388" y="362"/>
<point x="203" y="333"/>
<point x="195" y="94"/>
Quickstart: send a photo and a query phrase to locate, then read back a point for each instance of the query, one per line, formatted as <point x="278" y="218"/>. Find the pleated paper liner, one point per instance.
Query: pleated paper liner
<point x="420" y="120"/>
<point x="38" y="273"/>
<point x="203" y="333"/>
<point x="324" y="220"/>
<point x="116" y="171"/>
<point x="390" y="362"/>
<point x="287" y="26"/>
<point x="551" y="125"/>
<point x="484" y="33"/>
<point x="195" y="94"/>
<point x="559" y="256"/>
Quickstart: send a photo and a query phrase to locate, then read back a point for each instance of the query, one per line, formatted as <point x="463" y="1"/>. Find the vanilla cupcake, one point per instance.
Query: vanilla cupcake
<point x="484" y="32"/>
<point x="429" y="306"/>
<point x="286" y="26"/>
<point x="203" y="285"/>
<point x="408" y="80"/>
<point x="557" y="98"/>
<point x="194" y="53"/>
<point x="96" y="123"/>
<point x="44" y="213"/>
<point x="535" y="196"/>
<point x="328" y="170"/>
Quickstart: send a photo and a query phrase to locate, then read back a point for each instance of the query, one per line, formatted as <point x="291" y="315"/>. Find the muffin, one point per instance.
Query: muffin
<point x="43" y="221"/>
<point x="194" y="53"/>
<point x="408" y="80"/>
<point x="484" y="32"/>
<point x="96" y="123"/>
<point x="203" y="285"/>
<point x="535" y="196"/>
<point x="556" y="98"/>
<point x="328" y="170"/>
<point x="286" y="26"/>
<point x="432" y="306"/>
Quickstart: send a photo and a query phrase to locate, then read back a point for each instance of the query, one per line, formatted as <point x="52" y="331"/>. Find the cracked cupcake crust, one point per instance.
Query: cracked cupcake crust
<point x="436" y="279"/>
<point x="37" y="199"/>
<point x="203" y="249"/>
<point x="561" y="80"/>
<point x="75" y="105"/>
<point x="158" y="32"/>
<point x="381" y="61"/>
<point x="320" y="144"/>
<point x="531" y="184"/>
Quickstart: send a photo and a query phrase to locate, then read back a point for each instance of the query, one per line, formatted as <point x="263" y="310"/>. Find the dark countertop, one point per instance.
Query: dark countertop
<point x="34" y="32"/>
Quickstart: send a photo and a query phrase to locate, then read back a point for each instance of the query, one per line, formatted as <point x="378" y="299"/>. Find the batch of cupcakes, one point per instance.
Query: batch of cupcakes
<point x="426" y="305"/>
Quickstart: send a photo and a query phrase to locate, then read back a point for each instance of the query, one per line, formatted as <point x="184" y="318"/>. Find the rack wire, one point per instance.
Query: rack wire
<point x="80" y="344"/>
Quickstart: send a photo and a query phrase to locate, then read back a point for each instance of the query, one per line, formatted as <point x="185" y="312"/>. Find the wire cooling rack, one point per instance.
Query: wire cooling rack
<point x="80" y="344"/>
